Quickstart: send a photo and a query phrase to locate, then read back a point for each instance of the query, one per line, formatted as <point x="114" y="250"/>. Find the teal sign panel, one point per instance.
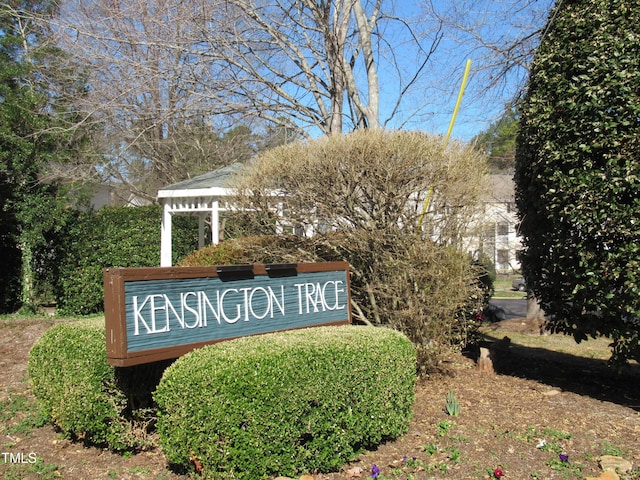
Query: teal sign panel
<point x="163" y="313"/>
<point x="160" y="313"/>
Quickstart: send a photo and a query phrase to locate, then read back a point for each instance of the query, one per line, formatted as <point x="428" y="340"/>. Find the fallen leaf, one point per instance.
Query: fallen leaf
<point x="550" y="393"/>
<point x="196" y="462"/>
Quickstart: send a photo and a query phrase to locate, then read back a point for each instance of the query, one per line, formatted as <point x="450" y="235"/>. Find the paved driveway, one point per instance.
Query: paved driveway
<point x="513" y="307"/>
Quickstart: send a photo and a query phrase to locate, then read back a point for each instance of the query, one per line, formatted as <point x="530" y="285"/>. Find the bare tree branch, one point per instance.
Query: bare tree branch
<point x="501" y="37"/>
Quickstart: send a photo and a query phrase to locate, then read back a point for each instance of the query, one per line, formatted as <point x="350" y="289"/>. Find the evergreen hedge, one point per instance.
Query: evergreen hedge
<point x="112" y="237"/>
<point x="286" y="403"/>
<point x="578" y="175"/>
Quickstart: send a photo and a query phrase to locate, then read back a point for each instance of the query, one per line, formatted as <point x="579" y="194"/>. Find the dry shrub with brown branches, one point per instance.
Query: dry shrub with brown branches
<point x="370" y="179"/>
<point x="360" y="198"/>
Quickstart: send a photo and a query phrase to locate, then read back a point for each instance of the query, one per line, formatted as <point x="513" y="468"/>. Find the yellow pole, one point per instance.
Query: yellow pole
<point x="455" y="110"/>
<point x="425" y="206"/>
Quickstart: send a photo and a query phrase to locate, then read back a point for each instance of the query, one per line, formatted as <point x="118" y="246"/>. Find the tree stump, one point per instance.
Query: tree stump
<point x="484" y="361"/>
<point x="491" y="358"/>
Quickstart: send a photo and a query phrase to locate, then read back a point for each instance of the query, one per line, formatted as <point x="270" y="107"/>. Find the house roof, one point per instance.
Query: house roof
<point x="214" y="183"/>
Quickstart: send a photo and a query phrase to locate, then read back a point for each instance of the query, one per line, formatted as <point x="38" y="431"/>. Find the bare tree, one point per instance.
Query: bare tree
<point x="302" y="64"/>
<point x="161" y="77"/>
<point x="314" y="65"/>
<point x="501" y="38"/>
<point x="159" y="72"/>
<point x="148" y="100"/>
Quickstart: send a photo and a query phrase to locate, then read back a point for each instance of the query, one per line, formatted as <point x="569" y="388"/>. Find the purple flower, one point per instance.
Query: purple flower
<point x="375" y="471"/>
<point x="563" y="458"/>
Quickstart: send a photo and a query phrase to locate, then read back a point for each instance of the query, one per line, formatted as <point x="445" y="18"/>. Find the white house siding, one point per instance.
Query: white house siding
<point x="496" y="233"/>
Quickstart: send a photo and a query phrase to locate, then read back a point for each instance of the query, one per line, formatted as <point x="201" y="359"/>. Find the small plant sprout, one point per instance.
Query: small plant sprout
<point x="430" y="449"/>
<point x="452" y="405"/>
<point x="444" y="428"/>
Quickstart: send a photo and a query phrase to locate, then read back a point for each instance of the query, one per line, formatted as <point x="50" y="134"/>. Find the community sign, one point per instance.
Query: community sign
<point x="155" y="314"/>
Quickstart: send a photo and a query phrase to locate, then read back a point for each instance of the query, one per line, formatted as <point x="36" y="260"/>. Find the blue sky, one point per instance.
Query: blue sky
<point x="486" y="92"/>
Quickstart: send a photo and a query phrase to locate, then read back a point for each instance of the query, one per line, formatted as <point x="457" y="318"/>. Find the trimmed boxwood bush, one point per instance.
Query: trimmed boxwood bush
<point x="286" y="403"/>
<point x="257" y="249"/>
<point x="74" y="386"/>
<point x="81" y="394"/>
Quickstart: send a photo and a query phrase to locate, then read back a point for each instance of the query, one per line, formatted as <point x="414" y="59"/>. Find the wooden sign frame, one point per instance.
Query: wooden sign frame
<point x="162" y="313"/>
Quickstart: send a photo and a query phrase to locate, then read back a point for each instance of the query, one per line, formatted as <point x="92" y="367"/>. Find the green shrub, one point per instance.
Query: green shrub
<point x="83" y="291"/>
<point x="112" y="237"/>
<point x="78" y="392"/>
<point x="577" y="173"/>
<point x="286" y="403"/>
<point x="257" y="249"/>
<point x="73" y="384"/>
<point x="10" y="278"/>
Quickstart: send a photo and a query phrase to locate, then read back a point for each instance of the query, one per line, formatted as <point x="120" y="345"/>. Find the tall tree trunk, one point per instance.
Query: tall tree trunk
<point x="26" y="281"/>
<point x="534" y="310"/>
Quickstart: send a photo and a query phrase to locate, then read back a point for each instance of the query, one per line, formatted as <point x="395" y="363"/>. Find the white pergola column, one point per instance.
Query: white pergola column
<point x="215" y="222"/>
<point x="165" y="235"/>
<point x="180" y="199"/>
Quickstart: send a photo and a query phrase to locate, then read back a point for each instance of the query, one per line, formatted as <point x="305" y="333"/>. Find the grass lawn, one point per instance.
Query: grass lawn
<point x="502" y="289"/>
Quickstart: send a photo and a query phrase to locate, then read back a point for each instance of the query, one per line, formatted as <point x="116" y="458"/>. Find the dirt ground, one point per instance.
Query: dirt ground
<point x="545" y="415"/>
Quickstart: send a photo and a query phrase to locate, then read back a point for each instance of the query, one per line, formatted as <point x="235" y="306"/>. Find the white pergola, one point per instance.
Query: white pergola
<point x="203" y="196"/>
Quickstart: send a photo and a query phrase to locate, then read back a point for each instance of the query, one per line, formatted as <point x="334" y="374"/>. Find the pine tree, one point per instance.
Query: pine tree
<point x="499" y="141"/>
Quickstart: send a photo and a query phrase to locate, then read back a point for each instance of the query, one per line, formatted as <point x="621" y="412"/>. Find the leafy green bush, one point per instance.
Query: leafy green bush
<point x="10" y="278"/>
<point x="112" y="237"/>
<point x="578" y="176"/>
<point x="79" y="392"/>
<point x="257" y="249"/>
<point x="285" y="403"/>
<point x="73" y="384"/>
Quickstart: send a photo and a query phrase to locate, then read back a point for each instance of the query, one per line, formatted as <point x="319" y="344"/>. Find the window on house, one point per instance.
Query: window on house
<point x="502" y="228"/>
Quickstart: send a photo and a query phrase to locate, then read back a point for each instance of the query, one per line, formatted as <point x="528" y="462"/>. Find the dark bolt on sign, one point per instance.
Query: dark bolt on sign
<point x="160" y="313"/>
